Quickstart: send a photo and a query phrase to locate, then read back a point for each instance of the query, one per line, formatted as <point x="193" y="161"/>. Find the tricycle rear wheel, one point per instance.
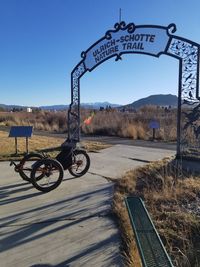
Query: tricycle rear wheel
<point x="52" y="174"/>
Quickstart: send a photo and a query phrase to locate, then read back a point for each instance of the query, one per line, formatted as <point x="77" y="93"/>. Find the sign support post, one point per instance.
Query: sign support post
<point x="154" y="133"/>
<point x="16" y="145"/>
<point x="26" y="144"/>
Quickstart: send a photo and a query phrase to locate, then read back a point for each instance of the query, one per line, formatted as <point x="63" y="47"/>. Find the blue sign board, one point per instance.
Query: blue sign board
<point x="21" y="131"/>
<point x="154" y="125"/>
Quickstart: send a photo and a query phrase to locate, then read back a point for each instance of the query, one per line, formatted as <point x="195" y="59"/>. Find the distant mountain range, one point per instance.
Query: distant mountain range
<point x="95" y="105"/>
<point x="54" y="107"/>
<point x="9" y="107"/>
<point x="158" y="100"/>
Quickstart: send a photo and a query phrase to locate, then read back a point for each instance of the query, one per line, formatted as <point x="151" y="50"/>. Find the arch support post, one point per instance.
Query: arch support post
<point x="74" y="108"/>
<point x="188" y="115"/>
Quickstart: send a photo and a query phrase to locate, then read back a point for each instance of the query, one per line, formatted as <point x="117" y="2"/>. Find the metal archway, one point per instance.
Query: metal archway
<point x="151" y="40"/>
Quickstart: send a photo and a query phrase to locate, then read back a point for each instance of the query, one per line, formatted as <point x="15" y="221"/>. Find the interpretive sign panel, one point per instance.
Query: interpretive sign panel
<point x="21" y="131"/>
<point x="154" y="125"/>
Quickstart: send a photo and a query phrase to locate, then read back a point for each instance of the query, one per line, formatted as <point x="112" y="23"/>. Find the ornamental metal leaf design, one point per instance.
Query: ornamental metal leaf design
<point x="189" y="55"/>
<point x="190" y="107"/>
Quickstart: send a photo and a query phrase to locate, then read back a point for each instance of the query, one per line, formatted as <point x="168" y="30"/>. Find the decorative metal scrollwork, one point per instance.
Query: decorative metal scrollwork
<point x="171" y="28"/>
<point x="120" y="26"/>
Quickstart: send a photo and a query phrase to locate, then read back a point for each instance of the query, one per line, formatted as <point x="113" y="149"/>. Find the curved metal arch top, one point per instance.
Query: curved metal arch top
<point x="151" y="40"/>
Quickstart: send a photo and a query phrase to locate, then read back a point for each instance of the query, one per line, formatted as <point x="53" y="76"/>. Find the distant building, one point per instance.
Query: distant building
<point x="29" y="110"/>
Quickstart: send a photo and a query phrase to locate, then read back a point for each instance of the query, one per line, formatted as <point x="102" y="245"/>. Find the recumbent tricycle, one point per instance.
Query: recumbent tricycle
<point x="46" y="173"/>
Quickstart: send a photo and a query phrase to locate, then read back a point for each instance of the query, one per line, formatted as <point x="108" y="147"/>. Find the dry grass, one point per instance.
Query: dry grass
<point x="35" y="143"/>
<point x="92" y="146"/>
<point x="172" y="199"/>
<point x="50" y="145"/>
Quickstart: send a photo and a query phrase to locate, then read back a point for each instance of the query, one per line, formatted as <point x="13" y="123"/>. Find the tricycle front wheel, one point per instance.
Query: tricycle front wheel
<point x="80" y="163"/>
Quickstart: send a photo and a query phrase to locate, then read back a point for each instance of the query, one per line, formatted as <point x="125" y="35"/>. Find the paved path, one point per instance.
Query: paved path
<point x="72" y="225"/>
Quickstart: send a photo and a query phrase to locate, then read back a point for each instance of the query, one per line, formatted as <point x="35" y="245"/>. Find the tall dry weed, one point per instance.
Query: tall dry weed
<point x="129" y="131"/>
<point x="141" y="133"/>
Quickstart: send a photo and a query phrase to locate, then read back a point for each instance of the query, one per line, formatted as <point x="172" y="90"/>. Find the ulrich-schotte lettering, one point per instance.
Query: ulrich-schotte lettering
<point x="127" y="42"/>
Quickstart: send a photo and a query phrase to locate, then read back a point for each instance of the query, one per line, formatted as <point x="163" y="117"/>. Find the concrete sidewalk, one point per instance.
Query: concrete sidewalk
<point x="72" y="225"/>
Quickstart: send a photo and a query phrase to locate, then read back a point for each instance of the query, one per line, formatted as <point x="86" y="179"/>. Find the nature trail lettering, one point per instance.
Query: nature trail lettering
<point x="126" y="42"/>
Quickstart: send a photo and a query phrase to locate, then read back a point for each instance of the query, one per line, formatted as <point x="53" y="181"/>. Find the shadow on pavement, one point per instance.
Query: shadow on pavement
<point x="9" y="190"/>
<point x="28" y="231"/>
<point x="53" y="219"/>
<point x="82" y="256"/>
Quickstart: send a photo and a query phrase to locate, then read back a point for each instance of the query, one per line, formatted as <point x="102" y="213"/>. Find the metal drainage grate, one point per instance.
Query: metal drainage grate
<point x="151" y="248"/>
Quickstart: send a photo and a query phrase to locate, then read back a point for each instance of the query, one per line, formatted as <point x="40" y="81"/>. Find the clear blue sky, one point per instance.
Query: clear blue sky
<point x="41" y="42"/>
